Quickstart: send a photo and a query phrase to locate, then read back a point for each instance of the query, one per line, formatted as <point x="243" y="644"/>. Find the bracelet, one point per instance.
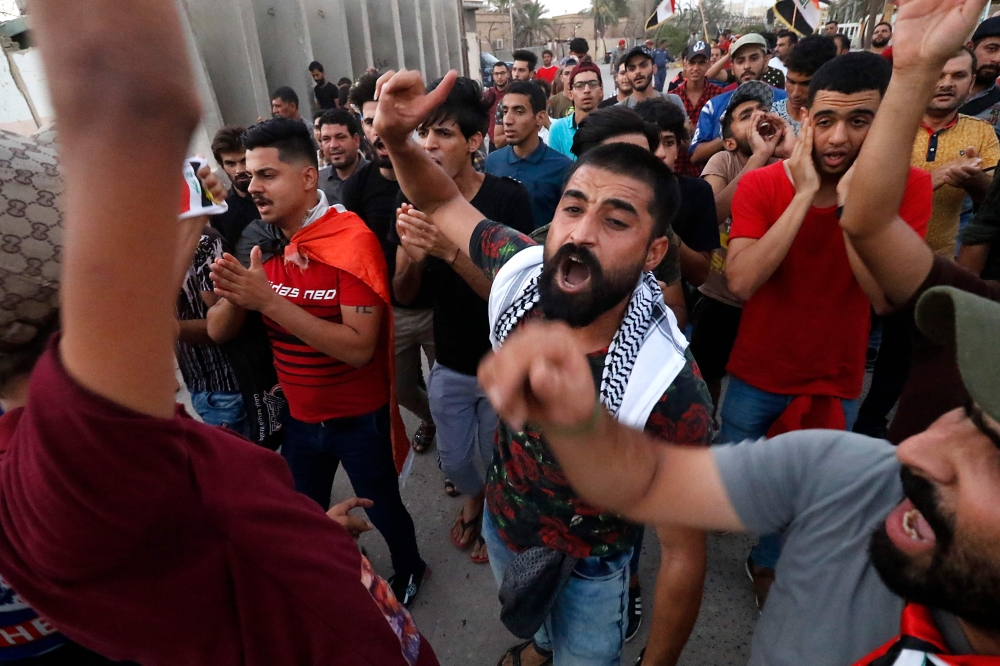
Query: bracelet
<point x="457" y="252"/>
<point x="579" y="429"/>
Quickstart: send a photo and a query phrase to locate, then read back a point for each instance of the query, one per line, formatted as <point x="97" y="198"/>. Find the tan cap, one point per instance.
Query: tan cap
<point x="31" y="237"/>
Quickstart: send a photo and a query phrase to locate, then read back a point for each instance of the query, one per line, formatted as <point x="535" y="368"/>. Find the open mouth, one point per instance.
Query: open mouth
<point x="573" y="275"/>
<point x="834" y="160"/>
<point x="909" y="530"/>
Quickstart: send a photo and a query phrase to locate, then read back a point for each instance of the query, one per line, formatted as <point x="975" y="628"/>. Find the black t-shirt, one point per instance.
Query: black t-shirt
<point x="611" y="101"/>
<point x="461" y="319"/>
<point x="373" y="198"/>
<point x="327" y="95"/>
<point x="242" y="211"/>
<point x="696" y="222"/>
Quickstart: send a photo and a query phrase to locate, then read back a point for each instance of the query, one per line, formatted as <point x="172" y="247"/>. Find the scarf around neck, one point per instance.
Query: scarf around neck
<point x="645" y="355"/>
<point x="921" y="643"/>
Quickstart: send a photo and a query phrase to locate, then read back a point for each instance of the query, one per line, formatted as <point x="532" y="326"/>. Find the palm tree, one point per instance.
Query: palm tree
<point x="607" y="12"/>
<point x="532" y="28"/>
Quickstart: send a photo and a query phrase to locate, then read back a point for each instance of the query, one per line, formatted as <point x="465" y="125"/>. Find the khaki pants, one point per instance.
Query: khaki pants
<point x="414" y="330"/>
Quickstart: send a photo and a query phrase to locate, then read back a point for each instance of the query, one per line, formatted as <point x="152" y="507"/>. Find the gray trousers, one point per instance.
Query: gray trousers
<point x="414" y="331"/>
<point x="466" y="425"/>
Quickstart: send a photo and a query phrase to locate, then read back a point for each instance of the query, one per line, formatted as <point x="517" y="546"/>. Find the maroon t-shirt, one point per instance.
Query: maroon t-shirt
<point x="166" y="542"/>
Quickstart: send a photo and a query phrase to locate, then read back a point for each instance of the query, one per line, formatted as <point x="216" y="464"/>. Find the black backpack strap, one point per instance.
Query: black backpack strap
<point x="977" y="106"/>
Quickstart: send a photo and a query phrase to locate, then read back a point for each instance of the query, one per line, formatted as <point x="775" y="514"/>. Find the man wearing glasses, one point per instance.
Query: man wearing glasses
<point x="586" y="92"/>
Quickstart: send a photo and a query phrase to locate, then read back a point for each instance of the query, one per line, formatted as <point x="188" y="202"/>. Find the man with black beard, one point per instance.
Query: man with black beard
<point x="592" y="274"/>
<point x="227" y="147"/>
<point x="881" y="37"/>
<point x="984" y="102"/>
<point x="873" y="533"/>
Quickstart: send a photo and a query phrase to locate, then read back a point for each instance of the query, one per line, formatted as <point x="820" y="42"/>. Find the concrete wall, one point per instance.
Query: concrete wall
<point x="386" y="32"/>
<point x="432" y="55"/>
<point x="286" y="47"/>
<point x="452" y="28"/>
<point x="356" y="12"/>
<point x="412" y="31"/>
<point x="328" y="30"/>
<point x="231" y="51"/>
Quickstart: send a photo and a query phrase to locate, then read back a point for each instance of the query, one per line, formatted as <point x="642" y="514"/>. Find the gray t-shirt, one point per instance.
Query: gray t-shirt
<point x="827" y="491"/>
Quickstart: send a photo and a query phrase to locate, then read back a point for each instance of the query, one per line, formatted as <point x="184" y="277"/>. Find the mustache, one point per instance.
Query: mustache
<point x="571" y="250"/>
<point x="924" y="496"/>
<point x="260" y="200"/>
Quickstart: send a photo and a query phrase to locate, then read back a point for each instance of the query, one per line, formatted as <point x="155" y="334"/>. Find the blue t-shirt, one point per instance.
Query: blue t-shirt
<point x="542" y="173"/>
<point x="710" y="121"/>
<point x="561" y="135"/>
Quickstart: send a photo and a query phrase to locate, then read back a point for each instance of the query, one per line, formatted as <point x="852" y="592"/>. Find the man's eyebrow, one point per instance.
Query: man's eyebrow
<point x="976" y="416"/>
<point x="575" y="194"/>
<point x="621" y="204"/>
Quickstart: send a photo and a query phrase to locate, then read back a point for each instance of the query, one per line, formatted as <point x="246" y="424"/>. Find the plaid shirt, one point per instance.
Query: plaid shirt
<point x="683" y="165"/>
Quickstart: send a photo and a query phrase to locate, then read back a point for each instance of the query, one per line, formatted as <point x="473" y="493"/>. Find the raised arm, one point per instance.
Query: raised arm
<point x="402" y="106"/>
<point x="541" y="376"/>
<point x="927" y="34"/>
<point x="117" y="291"/>
<point x="752" y="262"/>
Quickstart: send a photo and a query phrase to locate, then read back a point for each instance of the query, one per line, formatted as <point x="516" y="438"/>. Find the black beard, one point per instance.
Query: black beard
<point x="961" y="580"/>
<point x="880" y="43"/>
<point x="381" y="162"/>
<point x="987" y="76"/>
<point x="582" y="309"/>
<point x="241" y="186"/>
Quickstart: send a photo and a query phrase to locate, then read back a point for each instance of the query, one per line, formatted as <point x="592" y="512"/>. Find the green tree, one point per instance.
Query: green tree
<point x="532" y="28"/>
<point x="607" y="12"/>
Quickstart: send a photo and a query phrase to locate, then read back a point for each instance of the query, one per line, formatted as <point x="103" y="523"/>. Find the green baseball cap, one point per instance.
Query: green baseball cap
<point x="967" y="323"/>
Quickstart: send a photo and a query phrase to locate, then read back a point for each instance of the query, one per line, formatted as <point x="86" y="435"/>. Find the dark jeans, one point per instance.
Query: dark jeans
<point x="314" y="451"/>
<point x="69" y="654"/>
<point x="892" y="368"/>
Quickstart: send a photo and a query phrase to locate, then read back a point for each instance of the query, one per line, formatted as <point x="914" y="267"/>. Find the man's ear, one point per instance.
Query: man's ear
<point x="657" y="250"/>
<point x="475" y="141"/>
<point x="729" y="144"/>
<point x="310" y="177"/>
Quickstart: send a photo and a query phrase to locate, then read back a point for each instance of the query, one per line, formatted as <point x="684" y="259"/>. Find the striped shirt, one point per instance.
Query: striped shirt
<point x="319" y="387"/>
<point x="203" y="366"/>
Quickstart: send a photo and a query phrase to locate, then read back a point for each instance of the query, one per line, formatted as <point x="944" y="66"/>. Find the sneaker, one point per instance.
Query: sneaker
<point x="406" y="586"/>
<point x="634" y="612"/>
<point x="762" y="578"/>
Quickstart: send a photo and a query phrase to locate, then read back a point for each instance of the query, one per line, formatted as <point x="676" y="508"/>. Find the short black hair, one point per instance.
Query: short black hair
<point x="464" y="105"/>
<point x="579" y="45"/>
<point x="286" y="95"/>
<point x="544" y="85"/>
<point x="531" y="91"/>
<point x="831" y="23"/>
<point x="810" y="54"/>
<point x="363" y="91"/>
<point x="314" y="66"/>
<point x="228" y="140"/>
<point x="613" y="121"/>
<point x="316" y="114"/>
<point x="969" y="52"/>
<point x="852" y="73"/>
<point x="642" y="165"/>
<point x="341" y="117"/>
<point x="792" y="37"/>
<point x="727" y="119"/>
<point x="527" y="56"/>
<point x="770" y="38"/>
<point x="344" y="81"/>
<point x="290" y="137"/>
<point x="665" y="116"/>
<point x="547" y="51"/>
<point x="500" y="63"/>
<point x="884" y="23"/>
<point x="845" y="41"/>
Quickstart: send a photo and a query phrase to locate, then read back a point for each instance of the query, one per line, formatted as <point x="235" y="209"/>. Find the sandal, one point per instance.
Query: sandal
<point x="515" y="654"/>
<point x="449" y="489"/>
<point x="481" y="559"/>
<point x="423" y="437"/>
<point x="475" y="525"/>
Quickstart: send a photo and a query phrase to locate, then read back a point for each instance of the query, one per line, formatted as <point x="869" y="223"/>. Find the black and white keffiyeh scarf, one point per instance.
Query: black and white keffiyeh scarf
<point x="644" y="357"/>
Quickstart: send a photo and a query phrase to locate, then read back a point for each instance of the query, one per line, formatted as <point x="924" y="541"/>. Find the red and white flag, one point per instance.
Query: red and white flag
<point x="664" y="10"/>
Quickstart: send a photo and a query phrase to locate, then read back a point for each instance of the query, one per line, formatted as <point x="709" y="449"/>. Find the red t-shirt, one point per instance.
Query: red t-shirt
<point x="167" y="541"/>
<point x="805" y="331"/>
<point x="547" y="73"/>
<point x="319" y="387"/>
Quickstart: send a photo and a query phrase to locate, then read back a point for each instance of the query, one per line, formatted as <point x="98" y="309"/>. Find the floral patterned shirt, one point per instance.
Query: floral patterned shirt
<point x="528" y="496"/>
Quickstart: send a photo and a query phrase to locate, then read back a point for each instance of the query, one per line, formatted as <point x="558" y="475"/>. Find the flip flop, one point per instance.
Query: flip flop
<point x="473" y="524"/>
<point x="515" y="654"/>
<point x="480" y="560"/>
<point x="449" y="489"/>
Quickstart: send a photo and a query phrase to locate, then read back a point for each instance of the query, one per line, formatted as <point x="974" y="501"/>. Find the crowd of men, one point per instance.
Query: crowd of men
<point x="585" y="272"/>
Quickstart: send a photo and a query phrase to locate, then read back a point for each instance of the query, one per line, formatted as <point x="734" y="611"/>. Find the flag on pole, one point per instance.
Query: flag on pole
<point x="664" y="10"/>
<point x="802" y="16"/>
